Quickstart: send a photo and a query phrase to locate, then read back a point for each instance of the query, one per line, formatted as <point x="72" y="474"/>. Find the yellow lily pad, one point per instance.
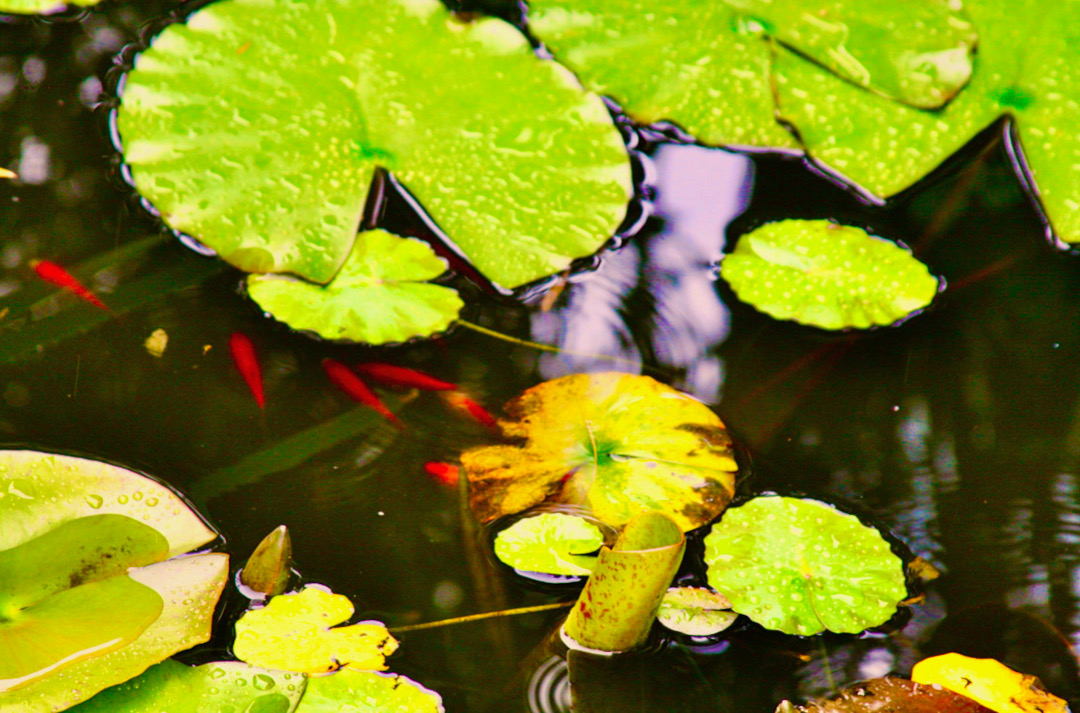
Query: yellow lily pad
<point x="989" y="682"/>
<point x="293" y="633"/>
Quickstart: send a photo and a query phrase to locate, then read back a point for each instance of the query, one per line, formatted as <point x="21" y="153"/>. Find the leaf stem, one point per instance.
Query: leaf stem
<point x="480" y="617"/>
<point x="548" y="347"/>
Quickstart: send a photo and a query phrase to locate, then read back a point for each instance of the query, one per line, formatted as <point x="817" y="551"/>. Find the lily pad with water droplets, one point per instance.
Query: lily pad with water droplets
<point x="87" y="601"/>
<point x="380" y="295"/>
<point x="617" y="444"/>
<point x="803" y="567"/>
<point x="990" y="682"/>
<point x="552" y="543"/>
<point x="695" y="611"/>
<point x="211" y="688"/>
<point x="368" y="692"/>
<point x="1029" y="52"/>
<point x="826" y="275"/>
<point x="293" y="633"/>
<point x="257" y="126"/>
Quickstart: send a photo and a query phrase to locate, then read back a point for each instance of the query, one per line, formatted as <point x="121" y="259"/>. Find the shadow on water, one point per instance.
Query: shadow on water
<point x="957" y="430"/>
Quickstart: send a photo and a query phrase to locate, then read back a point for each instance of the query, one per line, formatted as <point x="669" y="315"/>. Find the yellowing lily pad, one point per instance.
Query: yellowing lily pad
<point x="257" y="126"/>
<point x="293" y="633"/>
<point x="211" y="688"/>
<point x="86" y="600"/>
<point x="826" y="275"/>
<point x="695" y="611"/>
<point x="617" y="444"/>
<point x="379" y="296"/>
<point x="368" y="692"/>
<point x="552" y="543"/>
<point x="989" y="682"/>
<point x="803" y="567"/>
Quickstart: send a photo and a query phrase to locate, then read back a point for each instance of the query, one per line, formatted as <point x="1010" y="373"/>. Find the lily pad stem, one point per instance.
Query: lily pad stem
<point x="480" y="617"/>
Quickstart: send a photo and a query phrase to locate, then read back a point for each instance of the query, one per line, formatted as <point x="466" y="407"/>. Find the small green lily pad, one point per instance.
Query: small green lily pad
<point x="826" y="275"/>
<point x="802" y="567"/>
<point x="368" y="692"/>
<point x="293" y="633"/>
<point x="552" y="543"/>
<point x="211" y="688"/>
<point x="379" y="297"/>
<point x="257" y="126"/>
<point x="695" y="611"/>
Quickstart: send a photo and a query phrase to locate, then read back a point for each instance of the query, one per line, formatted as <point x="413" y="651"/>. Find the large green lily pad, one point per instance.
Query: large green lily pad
<point x="368" y="692"/>
<point x="917" y="53"/>
<point x="86" y="601"/>
<point x="257" y="127"/>
<point x="218" y="687"/>
<point x="826" y="275"/>
<point x="1029" y="52"/>
<point x="40" y="7"/>
<point x="552" y="543"/>
<point x="802" y="567"/>
<point x="618" y="444"/>
<point x="380" y="295"/>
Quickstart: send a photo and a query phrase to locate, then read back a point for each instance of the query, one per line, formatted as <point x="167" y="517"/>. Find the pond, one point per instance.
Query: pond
<point x="958" y="430"/>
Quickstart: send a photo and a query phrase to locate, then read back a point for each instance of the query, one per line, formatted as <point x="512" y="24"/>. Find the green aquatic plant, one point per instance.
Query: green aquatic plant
<point x="269" y="569"/>
<point x="552" y="543"/>
<point x="257" y="127"/>
<point x="38" y="7"/>
<point x="695" y="611"/>
<point x="91" y="597"/>
<point x="617" y="444"/>
<point x="802" y="567"/>
<point x="826" y="275"/>
<point x="379" y="296"/>
<point x="368" y="692"/>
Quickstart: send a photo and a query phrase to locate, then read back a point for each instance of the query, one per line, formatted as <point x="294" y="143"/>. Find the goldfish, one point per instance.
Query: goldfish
<point x="478" y="413"/>
<point x="347" y="380"/>
<point x="243" y="354"/>
<point x="53" y="273"/>
<point x="443" y="473"/>
<point x="402" y="377"/>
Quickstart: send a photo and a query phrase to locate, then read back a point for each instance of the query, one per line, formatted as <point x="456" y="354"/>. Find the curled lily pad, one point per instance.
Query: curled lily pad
<point x="695" y="611"/>
<point x="553" y="543"/>
<point x="826" y="275"/>
<point x="257" y="127"/>
<point x="268" y="570"/>
<point x="803" y="567"/>
<point x="293" y="633"/>
<point x="379" y="296"/>
<point x="618" y="444"/>
<point x="87" y="601"/>
<point x="211" y="688"/>
<point x="368" y="692"/>
<point x="990" y="682"/>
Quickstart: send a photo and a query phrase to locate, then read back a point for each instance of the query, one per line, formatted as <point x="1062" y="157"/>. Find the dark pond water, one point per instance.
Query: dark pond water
<point x="957" y="430"/>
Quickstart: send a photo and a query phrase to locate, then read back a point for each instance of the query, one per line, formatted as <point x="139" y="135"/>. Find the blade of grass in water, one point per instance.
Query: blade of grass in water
<point x="41" y="317"/>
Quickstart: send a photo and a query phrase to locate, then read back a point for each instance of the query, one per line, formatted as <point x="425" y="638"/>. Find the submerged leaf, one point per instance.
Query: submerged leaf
<point x="803" y="567"/>
<point x="552" y="543"/>
<point x="617" y="444"/>
<point x="695" y="611"/>
<point x="258" y="125"/>
<point x="990" y="682"/>
<point x="889" y="695"/>
<point x="211" y="688"/>
<point x="826" y="275"/>
<point x="379" y="296"/>
<point x="618" y="605"/>
<point x="368" y="692"/>
<point x="293" y="633"/>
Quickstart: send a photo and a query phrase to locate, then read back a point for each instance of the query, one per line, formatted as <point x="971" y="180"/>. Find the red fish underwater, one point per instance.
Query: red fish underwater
<point x="478" y="413"/>
<point x="243" y="354"/>
<point x="443" y="473"/>
<point x="53" y="273"/>
<point x="347" y="380"/>
<point x="402" y="377"/>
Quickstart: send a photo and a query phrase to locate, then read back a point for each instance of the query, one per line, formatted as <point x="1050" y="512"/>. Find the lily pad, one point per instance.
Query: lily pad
<point x="803" y="567"/>
<point x="368" y="692"/>
<point x="38" y="7"/>
<point x="1029" y="52"/>
<point x="378" y="297"/>
<point x="293" y="633"/>
<point x="617" y="444"/>
<point x="269" y="569"/>
<point x="87" y="602"/>
<point x="990" y="682"/>
<point x="211" y="688"/>
<point x="826" y="275"/>
<point x="553" y="543"/>
<point x="257" y="127"/>
<point x="695" y="611"/>
<point x="916" y="53"/>
<point x="889" y="695"/>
